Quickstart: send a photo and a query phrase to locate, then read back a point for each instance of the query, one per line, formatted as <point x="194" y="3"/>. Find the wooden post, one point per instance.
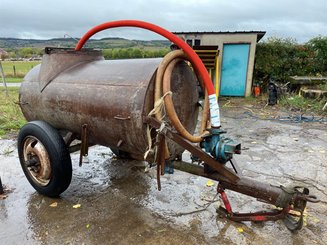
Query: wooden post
<point x="3" y="78"/>
<point x="14" y="68"/>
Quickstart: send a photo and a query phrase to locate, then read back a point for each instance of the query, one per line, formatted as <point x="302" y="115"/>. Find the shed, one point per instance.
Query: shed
<point x="232" y="68"/>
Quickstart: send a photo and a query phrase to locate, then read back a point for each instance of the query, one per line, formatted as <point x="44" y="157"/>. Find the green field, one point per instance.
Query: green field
<point x="11" y="117"/>
<point x="21" y="68"/>
<point x="13" y="80"/>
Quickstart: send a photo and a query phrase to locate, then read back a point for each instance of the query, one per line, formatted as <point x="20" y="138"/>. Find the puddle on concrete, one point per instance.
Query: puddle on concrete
<point x="120" y="203"/>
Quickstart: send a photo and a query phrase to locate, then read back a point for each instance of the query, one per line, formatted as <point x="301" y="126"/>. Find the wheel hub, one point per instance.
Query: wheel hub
<point x="37" y="160"/>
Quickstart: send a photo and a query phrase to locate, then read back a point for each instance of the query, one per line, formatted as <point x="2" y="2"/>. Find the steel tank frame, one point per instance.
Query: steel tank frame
<point x="75" y="88"/>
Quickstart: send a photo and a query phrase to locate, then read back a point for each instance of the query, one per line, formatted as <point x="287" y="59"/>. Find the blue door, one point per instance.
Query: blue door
<point x="234" y="69"/>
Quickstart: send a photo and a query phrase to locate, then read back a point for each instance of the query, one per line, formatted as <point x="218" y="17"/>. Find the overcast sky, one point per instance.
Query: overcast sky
<point x="299" y="19"/>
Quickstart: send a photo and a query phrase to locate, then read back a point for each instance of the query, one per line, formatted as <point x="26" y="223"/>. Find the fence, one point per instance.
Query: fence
<point x="18" y="69"/>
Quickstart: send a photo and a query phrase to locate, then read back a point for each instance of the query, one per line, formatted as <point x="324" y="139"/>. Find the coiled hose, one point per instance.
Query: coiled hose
<point x="162" y="87"/>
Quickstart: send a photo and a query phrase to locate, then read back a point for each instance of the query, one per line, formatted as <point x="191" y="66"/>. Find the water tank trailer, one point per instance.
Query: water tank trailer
<point x="144" y="109"/>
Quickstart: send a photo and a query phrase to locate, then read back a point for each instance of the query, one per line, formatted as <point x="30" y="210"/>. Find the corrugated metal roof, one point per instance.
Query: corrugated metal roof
<point x="260" y="34"/>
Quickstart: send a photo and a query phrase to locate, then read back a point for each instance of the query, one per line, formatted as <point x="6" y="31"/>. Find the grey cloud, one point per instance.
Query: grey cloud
<point x="48" y="19"/>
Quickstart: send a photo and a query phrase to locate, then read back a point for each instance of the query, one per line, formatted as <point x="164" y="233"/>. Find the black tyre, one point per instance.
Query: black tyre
<point x="44" y="157"/>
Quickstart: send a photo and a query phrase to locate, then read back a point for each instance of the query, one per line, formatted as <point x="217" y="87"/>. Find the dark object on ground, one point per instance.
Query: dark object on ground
<point x="1" y="187"/>
<point x="272" y="94"/>
<point x="120" y="154"/>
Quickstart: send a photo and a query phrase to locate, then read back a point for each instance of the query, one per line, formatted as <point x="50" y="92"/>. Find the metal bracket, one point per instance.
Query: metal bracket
<point x="84" y="144"/>
<point x="160" y="158"/>
<point x="235" y="166"/>
<point x="68" y="138"/>
<point x="194" y="149"/>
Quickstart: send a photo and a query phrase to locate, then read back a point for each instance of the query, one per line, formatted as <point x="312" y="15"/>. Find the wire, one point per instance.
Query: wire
<point x="290" y="118"/>
<point x="198" y="210"/>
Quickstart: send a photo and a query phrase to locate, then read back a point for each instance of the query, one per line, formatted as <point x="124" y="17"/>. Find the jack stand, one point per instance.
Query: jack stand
<point x="254" y="216"/>
<point x="291" y="222"/>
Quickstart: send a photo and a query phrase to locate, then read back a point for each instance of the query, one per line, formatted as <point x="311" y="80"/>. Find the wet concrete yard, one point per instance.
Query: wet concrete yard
<point x="120" y="204"/>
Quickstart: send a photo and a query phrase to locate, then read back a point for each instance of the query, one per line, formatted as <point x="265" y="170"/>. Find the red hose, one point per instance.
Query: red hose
<point x="194" y="58"/>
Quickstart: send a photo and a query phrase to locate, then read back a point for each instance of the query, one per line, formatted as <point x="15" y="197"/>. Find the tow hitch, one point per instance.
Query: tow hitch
<point x="289" y="202"/>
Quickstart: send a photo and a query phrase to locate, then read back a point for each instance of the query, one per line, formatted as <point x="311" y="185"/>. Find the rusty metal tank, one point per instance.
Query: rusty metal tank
<point x="74" y="88"/>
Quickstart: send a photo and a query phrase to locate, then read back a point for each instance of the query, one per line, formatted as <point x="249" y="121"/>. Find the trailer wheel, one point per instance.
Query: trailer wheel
<point x="44" y="157"/>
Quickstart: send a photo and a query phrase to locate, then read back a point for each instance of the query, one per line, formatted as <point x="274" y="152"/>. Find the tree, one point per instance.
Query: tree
<point x="107" y="54"/>
<point x="26" y="52"/>
<point x="137" y="53"/>
<point x="318" y="46"/>
<point x="278" y="59"/>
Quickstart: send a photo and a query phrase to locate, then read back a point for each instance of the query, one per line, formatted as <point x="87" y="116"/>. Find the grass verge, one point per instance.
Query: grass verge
<point x="303" y="105"/>
<point x="323" y="86"/>
<point x="20" y="67"/>
<point x="13" y="80"/>
<point x="11" y="117"/>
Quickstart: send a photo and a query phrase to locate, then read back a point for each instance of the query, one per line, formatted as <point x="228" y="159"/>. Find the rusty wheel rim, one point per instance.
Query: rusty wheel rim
<point x="37" y="161"/>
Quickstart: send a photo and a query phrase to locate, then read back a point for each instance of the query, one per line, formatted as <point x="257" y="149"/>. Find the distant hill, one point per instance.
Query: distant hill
<point x="112" y="42"/>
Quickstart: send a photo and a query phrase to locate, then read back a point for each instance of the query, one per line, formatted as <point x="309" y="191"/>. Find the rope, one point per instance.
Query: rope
<point x="159" y="107"/>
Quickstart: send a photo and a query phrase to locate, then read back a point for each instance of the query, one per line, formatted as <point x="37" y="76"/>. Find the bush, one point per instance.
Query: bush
<point x="130" y="53"/>
<point x="278" y="59"/>
<point x="318" y="47"/>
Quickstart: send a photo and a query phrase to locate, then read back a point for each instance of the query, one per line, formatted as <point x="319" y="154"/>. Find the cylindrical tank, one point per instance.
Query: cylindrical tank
<point x="73" y="88"/>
